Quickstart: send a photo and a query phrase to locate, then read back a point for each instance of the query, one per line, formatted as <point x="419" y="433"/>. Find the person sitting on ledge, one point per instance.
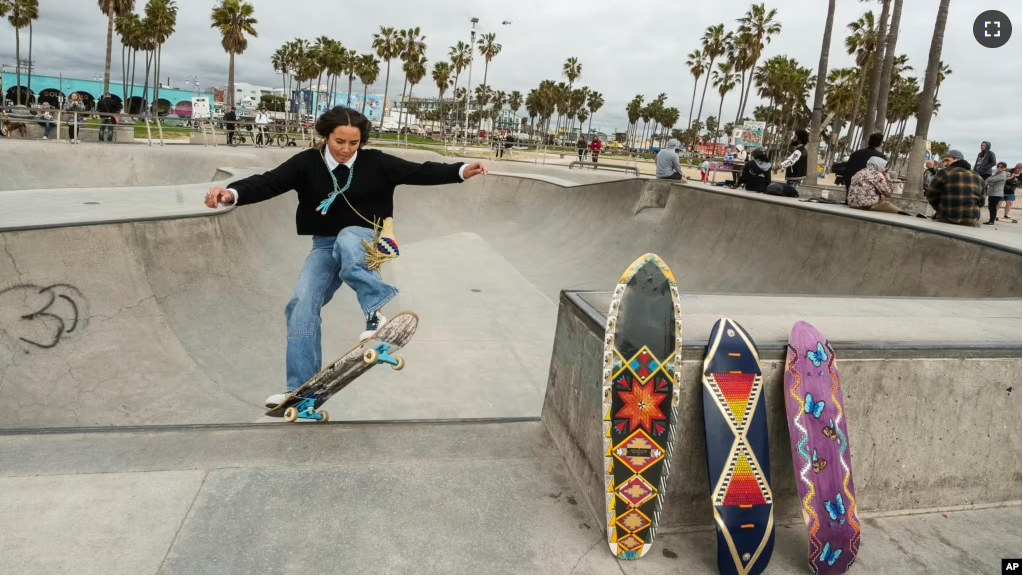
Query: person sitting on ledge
<point x="957" y="192"/>
<point x="668" y="166"/>
<point x="756" y="174"/>
<point x="871" y="187"/>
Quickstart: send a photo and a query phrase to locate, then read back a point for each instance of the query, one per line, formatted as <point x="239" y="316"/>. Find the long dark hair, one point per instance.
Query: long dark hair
<point x="343" y="116"/>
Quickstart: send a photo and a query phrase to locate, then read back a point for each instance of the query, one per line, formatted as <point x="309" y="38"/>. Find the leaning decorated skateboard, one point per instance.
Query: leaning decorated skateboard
<point x="305" y="402"/>
<point x="820" y="451"/>
<point x="640" y="402"/>
<point x="738" y="461"/>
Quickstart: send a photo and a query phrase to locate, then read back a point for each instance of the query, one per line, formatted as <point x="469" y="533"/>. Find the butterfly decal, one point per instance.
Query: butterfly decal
<point x="829" y="556"/>
<point x="818" y="356"/>
<point x="819" y="464"/>
<point x="829" y="430"/>
<point x="836" y="510"/>
<point x="813" y="408"/>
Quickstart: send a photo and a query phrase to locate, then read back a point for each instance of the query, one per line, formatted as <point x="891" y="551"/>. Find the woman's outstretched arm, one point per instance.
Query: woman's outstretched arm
<point x="401" y="171"/>
<point x="260" y="187"/>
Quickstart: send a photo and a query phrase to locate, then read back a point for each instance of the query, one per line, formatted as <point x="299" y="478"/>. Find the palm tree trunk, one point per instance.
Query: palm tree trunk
<point x="875" y="75"/>
<point x="134" y="66"/>
<point x="813" y="149"/>
<point x="914" y="178"/>
<point x="692" y="103"/>
<point x="17" y="65"/>
<point x="401" y="113"/>
<point x="745" y="98"/>
<point x="387" y="84"/>
<point x="110" y="48"/>
<point x="350" y="80"/>
<point x="856" y="105"/>
<point x="742" y="90"/>
<point x="706" y="80"/>
<point x="886" y="70"/>
<point x="30" y="57"/>
<point x="230" y="81"/>
<point x="365" y="90"/>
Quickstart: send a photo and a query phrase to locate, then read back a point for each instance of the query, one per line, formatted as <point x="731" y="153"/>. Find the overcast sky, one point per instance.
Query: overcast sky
<point x="626" y="48"/>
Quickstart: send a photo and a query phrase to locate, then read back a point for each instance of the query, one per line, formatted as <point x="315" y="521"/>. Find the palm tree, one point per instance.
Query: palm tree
<point x="881" y="114"/>
<point x="411" y="45"/>
<point x="818" y="98"/>
<point x="22" y="13"/>
<point x="385" y="43"/>
<point x="368" y="70"/>
<point x="415" y="71"/>
<point x="741" y="56"/>
<point x="442" y="72"/>
<point x="725" y="79"/>
<point x="459" y="54"/>
<point x="697" y="67"/>
<point x="943" y="72"/>
<point x="839" y="95"/>
<point x="715" y="44"/>
<point x="572" y="69"/>
<point x="234" y="19"/>
<point x="128" y="27"/>
<point x="162" y="16"/>
<point x="489" y="49"/>
<point x="914" y="178"/>
<point x="862" y="42"/>
<point x="759" y="24"/>
<point x="111" y="9"/>
<point x="350" y="67"/>
<point x="875" y="73"/>
<point x="596" y="101"/>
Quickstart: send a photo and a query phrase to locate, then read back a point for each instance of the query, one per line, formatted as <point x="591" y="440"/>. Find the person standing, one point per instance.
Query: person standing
<point x="986" y="161"/>
<point x="580" y="147"/>
<point x="595" y="147"/>
<point x="230" y="124"/>
<point x="262" y="122"/>
<point x="957" y="192"/>
<point x="342" y="220"/>
<point x="107" y="106"/>
<point x="1011" y="185"/>
<point x="929" y="172"/>
<point x="995" y="189"/>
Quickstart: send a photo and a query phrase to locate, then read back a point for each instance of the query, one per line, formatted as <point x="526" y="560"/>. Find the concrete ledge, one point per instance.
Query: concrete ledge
<point x="926" y="430"/>
<point x="123" y="133"/>
<point x="604" y="166"/>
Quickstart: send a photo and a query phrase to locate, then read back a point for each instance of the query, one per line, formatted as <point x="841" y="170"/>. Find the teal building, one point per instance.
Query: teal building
<point x="54" y="90"/>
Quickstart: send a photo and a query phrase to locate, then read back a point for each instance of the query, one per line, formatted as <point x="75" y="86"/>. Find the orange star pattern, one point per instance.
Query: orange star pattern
<point x="642" y="405"/>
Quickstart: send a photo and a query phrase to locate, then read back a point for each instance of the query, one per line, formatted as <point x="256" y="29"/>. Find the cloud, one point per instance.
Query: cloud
<point x="625" y="48"/>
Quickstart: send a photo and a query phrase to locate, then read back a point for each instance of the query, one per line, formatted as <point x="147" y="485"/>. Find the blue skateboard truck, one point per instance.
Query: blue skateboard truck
<point x="306" y="409"/>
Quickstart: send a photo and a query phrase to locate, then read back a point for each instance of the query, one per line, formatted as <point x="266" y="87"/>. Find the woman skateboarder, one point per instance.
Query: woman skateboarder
<point x="343" y="191"/>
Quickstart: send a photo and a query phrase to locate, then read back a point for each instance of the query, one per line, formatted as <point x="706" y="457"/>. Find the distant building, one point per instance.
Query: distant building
<point x="55" y="90"/>
<point x="248" y="95"/>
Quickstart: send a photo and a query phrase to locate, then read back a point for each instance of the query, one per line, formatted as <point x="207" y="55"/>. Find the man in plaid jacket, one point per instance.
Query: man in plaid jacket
<point x="957" y="192"/>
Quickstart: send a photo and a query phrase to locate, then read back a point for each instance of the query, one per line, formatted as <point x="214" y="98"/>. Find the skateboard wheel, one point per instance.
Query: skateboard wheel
<point x="291" y="414"/>
<point x="370" y="356"/>
<point x="399" y="365"/>
<point x="326" y="416"/>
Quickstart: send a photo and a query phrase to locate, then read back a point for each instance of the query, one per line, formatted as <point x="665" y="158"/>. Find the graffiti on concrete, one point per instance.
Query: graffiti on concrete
<point x="41" y="316"/>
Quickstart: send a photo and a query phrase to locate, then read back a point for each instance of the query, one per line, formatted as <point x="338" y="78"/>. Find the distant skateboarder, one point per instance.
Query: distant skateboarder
<point x="344" y="193"/>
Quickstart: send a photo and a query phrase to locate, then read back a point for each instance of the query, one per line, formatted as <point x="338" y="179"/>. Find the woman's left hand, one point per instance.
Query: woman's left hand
<point x="474" y="170"/>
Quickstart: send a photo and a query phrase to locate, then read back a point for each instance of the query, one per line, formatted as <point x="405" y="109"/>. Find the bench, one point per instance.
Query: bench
<point x="604" y="166"/>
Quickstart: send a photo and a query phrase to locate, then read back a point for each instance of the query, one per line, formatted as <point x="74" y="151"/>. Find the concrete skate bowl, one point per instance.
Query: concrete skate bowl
<point x="181" y="320"/>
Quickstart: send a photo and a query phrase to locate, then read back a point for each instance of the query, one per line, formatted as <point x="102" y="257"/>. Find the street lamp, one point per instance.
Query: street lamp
<point x="468" y="83"/>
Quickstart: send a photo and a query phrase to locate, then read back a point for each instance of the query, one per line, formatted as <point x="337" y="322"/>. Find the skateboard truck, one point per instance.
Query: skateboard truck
<point x="306" y="410"/>
<point x="379" y="355"/>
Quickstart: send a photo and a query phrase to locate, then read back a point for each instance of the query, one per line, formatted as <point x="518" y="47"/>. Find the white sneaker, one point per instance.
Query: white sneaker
<point x="373" y="323"/>
<point x="275" y="400"/>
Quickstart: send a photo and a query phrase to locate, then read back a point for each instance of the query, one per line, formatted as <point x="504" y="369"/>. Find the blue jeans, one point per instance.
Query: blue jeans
<point x="332" y="262"/>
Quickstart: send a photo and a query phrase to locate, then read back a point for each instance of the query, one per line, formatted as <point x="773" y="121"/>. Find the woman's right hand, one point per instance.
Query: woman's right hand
<point x="217" y="196"/>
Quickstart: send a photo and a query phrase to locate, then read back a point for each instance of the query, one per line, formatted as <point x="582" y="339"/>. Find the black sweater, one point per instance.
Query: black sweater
<point x="371" y="192"/>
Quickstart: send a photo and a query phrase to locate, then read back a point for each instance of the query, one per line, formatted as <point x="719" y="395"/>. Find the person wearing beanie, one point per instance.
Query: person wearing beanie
<point x="345" y="195"/>
<point x="795" y="165"/>
<point x="957" y="192"/>
<point x="858" y="160"/>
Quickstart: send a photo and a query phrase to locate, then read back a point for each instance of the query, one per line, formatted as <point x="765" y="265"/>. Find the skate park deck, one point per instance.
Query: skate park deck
<point x="149" y="401"/>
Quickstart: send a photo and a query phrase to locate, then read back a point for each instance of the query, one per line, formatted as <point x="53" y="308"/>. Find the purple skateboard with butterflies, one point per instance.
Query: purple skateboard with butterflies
<point x="821" y="454"/>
